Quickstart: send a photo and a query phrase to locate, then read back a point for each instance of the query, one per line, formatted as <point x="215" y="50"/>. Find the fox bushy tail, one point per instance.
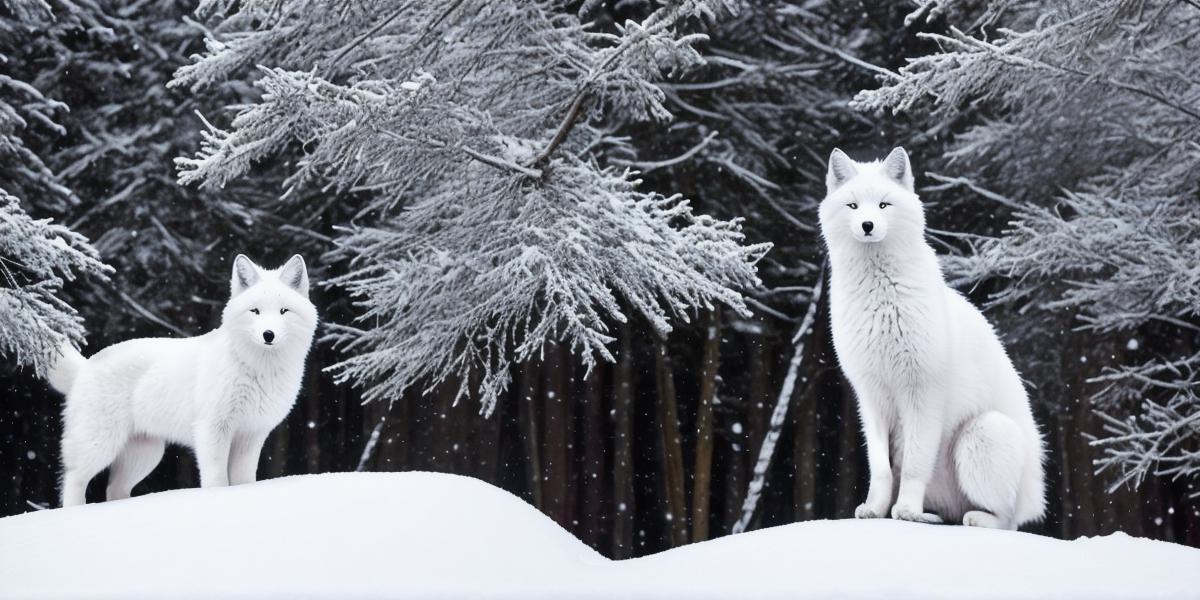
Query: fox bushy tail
<point x="62" y="375"/>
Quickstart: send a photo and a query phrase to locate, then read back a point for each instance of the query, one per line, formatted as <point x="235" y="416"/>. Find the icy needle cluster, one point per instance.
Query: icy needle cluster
<point x="477" y="133"/>
<point x="36" y="255"/>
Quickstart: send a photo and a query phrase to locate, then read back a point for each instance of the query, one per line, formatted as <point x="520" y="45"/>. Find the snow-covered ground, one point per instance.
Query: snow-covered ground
<point x="373" y="535"/>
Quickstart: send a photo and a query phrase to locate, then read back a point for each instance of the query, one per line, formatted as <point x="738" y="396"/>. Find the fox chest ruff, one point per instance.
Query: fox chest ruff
<point x="888" y="324"/>
<point x="255" y="393"/>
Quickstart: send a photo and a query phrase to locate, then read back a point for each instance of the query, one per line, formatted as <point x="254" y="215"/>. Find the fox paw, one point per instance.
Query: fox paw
<point x="866" y="512"/>
<point x="908" y="513"/>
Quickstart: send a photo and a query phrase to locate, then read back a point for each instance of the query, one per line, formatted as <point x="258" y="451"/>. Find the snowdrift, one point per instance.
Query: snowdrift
<point x="398" y="535"/>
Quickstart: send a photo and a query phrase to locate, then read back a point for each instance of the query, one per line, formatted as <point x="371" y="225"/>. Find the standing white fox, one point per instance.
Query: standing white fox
<point x="220" y="393"/>
<point x="943" y="411"/>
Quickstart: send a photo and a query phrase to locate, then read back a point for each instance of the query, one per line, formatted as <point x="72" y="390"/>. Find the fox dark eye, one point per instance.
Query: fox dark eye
<point x="884" y="204"/>
<point x="282" y="310"/>
<point x="853" y="206"/>
<point x="254" y="310"/>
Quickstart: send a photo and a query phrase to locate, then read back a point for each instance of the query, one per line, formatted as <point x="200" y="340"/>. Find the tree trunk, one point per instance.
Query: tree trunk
<point x="770" y="437"/>
<point x="276" y="466"/>
<point x="312" y="424"/>
<point x="486" y="447"/>
<point x="1080" y="467"/>
<point x="442" y="429"/>
<point x="374" y="429"/>
<point x="672" y="450"/>
<point x="806" y="441"/>
<point x="1082" y="473"/>
<point x="346" y="415"/>
<point x="593" y="472"/>
<point x="527" y="419"/>
<point x="804" y="456"/>
<point x="1065" y="489"/>
<point x="759" y="392"/>
<point x="462" y="418"/>
<point x="396" y="454"/>
<point x="623" y="507"/>
<point x="702" y="470"/>
<point x="559" y="427"/>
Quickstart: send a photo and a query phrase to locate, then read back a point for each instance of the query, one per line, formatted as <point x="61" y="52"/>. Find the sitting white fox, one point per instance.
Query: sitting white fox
<point x="944" y="413"/>
<point x="220" y="393"/>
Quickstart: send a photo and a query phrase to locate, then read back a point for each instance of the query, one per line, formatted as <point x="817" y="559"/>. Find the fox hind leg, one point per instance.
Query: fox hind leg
<point x="74" y="486"/>
<point x="988" y="458"/>
<point x="133" y="464"/>
<point x="83" y="459"/>
<point x="92" y="438"/>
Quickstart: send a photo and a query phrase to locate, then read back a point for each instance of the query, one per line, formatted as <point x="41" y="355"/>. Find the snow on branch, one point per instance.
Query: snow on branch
<point x="1163" y="439"/>
<point x="1123" y="263"/>
<point x="518" y="270"/>
<point x="494" y="225"/>
<point x="36" y="256"/>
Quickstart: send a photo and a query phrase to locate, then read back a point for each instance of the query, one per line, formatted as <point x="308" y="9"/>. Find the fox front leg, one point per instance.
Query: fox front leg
<point x="243" y="457"/>
<point x="879" y="492"/>
<point x="920" y="437"/>
<point x="212" y="454"/>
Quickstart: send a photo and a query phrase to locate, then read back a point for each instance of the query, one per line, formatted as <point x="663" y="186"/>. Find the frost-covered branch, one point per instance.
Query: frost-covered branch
<point x="1162" y="439"/>
<point x="495" y="227"/>
<point x="36" y="257"/>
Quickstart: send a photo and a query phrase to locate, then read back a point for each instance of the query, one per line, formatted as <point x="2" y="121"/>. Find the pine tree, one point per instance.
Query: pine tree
<point x="478" y="132"/>
<point x="111" y="64"/>
<point x="36" y="255"/>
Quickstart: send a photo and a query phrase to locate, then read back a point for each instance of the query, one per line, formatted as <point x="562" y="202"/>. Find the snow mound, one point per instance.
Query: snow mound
<point x="374" y="535"/>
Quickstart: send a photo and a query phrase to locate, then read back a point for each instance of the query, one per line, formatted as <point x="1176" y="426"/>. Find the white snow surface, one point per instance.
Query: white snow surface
<point x="422" y="535"/>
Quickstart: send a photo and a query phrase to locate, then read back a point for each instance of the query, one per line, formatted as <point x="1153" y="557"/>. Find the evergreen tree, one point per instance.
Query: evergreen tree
<point x="493" y="226"/>
<point x="110" y="64"/>
<point x="36" y="255"/>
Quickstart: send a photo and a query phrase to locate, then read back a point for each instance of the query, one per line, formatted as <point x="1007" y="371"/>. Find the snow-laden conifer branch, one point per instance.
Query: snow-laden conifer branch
<point x="1162" y="439"/>
<point x="517" y="270"/>
<point x="482" y="122"/>
<point x="36" y="256"/>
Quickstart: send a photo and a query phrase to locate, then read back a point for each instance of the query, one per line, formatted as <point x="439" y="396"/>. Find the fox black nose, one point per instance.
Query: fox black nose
<point x="867" y="227"/>
<point x="268" y="336"/>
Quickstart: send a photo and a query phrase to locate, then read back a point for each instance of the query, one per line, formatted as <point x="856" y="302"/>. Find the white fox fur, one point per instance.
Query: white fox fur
<point x="948" y="425"/>
<point x="220" y="393"/>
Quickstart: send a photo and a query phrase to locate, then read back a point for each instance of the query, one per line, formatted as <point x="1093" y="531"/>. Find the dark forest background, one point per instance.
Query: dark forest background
<point x="647" y="453"/>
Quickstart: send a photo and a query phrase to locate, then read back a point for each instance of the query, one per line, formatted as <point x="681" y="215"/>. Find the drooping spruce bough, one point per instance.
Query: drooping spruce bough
<point x="481" y="131"/>
<point x="36" y="255"/>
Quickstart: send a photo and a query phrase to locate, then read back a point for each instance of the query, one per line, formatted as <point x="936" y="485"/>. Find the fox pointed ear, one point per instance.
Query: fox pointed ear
<point x="841" y="170"/>
<point x="245" y="274"/>
<point x="294" y="274"/>
<point x="897" y="167"/>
